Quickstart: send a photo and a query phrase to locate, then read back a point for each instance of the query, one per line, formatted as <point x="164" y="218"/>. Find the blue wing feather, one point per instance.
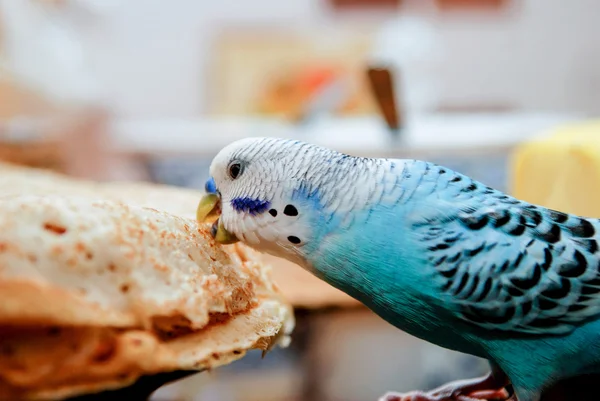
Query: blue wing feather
<point x="508" y="265"/>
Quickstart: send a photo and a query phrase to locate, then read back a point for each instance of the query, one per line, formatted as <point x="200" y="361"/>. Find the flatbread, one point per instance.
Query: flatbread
<point x="95" y="292"/>
<point x="301" y="288"/>
<point x="17" y="180"/>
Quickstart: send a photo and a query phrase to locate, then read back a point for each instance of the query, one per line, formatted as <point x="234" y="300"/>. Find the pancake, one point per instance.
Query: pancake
<point x="98" y="288"/>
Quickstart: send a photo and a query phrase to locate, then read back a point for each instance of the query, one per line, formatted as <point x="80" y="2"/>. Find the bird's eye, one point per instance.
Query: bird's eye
<point x="235" y="169"/>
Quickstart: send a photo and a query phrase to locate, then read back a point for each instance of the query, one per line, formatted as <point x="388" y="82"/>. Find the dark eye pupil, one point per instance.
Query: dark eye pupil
<point x="234" y="170"/>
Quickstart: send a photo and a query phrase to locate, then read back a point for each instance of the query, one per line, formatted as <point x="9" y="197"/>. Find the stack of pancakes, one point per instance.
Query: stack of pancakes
<point x="101" y="283"/>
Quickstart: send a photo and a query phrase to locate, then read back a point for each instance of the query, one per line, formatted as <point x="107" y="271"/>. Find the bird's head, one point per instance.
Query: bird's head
<point x="266" y="192"/>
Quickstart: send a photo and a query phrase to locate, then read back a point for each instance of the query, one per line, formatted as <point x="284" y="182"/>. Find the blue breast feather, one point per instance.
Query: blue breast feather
<point x="250" y="205"/>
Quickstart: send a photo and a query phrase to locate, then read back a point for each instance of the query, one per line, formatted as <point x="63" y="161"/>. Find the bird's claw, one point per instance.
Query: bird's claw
<point x="488" y="388"/>
<point x="420" y="396"/>
<point x="486" y="395"/>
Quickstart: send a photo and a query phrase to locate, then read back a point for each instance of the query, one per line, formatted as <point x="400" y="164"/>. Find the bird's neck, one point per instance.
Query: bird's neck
<point x="389" y="282"/>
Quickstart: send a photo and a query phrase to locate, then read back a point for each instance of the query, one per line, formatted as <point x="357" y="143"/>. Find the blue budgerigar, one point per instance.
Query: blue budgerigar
<point x="434" y="252"/>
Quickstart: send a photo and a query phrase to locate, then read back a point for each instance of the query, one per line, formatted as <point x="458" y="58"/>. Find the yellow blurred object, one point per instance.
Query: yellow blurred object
<point x="562" y="170"/>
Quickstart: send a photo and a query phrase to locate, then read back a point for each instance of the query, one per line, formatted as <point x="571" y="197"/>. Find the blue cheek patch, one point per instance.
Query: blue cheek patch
<point x="304" y="193"/>
<point x="210" y="186"/>
<point x="249" y="205"/>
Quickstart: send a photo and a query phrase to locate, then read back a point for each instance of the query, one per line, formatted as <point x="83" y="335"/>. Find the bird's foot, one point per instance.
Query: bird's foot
<point x="495" y="395"/>
<point x="488" y="388"/>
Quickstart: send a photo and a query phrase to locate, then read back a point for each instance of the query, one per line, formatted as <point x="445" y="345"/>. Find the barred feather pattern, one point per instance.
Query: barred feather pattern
<point x="506" y="264"/>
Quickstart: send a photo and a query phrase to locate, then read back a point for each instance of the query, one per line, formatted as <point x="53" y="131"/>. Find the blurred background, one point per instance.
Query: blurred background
<point x="151" y="90"/>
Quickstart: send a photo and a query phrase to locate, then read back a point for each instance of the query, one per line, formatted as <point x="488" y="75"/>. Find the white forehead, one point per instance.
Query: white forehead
<point x="250" y="149"/>
<point x="232" y="150"/>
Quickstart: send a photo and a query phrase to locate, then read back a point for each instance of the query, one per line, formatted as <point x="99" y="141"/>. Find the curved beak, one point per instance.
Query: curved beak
<point x="208" y="210"/>
<point x="221" y="235"/>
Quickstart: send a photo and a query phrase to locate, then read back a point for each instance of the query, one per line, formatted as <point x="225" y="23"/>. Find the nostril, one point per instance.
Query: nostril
<point x="210" y="186"/>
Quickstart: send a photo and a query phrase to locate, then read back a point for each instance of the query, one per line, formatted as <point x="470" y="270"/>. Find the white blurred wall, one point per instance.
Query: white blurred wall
<point x="150" y="56"/>
<point x="547" y="56"/>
